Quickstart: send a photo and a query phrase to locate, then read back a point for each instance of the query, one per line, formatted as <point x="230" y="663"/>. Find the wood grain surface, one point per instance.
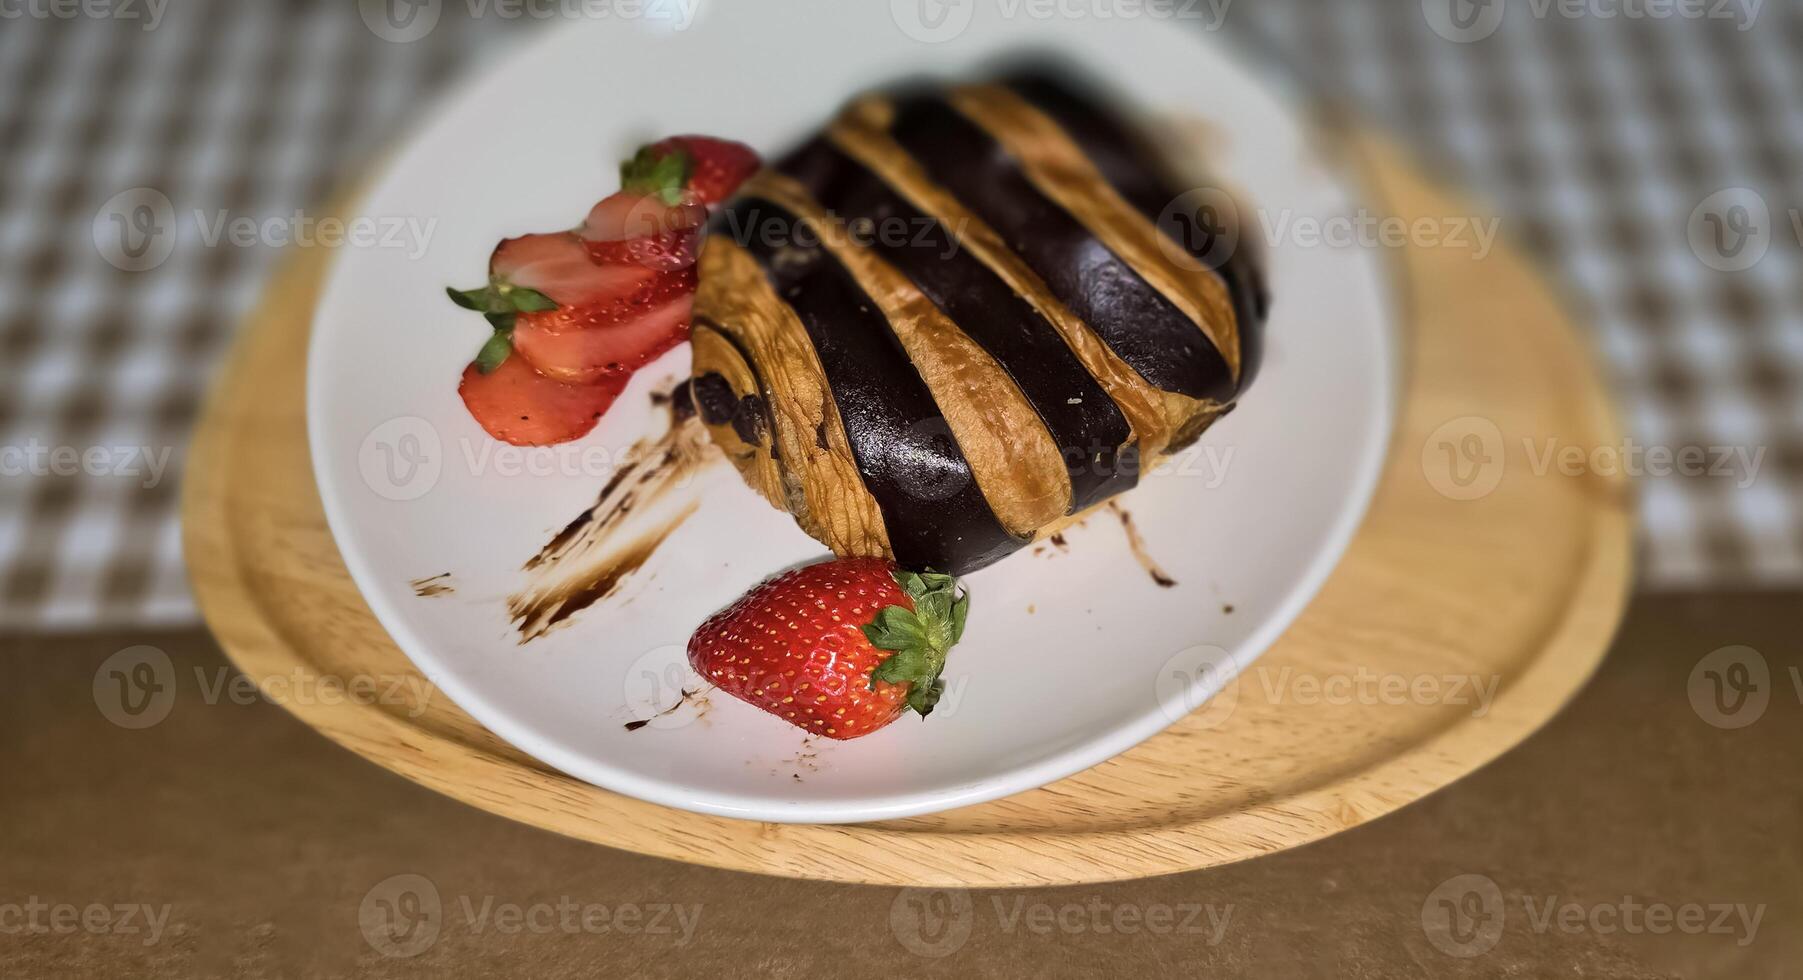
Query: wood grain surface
<point x="1522" y="586"/>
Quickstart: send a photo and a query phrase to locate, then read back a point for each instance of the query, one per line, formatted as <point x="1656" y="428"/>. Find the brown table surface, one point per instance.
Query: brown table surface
<point x="1630" y="838"/>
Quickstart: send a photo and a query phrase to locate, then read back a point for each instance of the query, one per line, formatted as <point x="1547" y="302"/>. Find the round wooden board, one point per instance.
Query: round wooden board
<point x="1521" y="586"/>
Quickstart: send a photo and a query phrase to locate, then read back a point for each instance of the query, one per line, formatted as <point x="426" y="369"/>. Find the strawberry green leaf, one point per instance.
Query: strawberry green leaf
<point x="895" y="628"/>
<point x="663" y="173"/>
<point x="499" y="346"/>
<point x="529" y="300"/>
<point x="469" y="299"/>
<point x="960" y="612"/>
<point x="922" y="697"/>
<point x="901" y="668"/>
<point x="919" y="638"/>
<point x="500" y="297"/>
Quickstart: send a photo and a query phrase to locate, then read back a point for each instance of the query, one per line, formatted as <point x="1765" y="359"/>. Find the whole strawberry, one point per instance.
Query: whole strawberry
<point x="840" y="648"/>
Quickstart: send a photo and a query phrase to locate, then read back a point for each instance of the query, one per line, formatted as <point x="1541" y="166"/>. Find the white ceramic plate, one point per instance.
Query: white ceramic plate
<point x="1071" y="656"/>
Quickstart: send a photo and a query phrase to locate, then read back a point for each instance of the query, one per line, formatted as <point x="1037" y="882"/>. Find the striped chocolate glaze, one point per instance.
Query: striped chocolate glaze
<point x="1134" y="319"/>
<point x="944" y="395"/>
<point x="932" y="508"/>
<point x="1132" y="168"/>
<point x="1088" y="428"/>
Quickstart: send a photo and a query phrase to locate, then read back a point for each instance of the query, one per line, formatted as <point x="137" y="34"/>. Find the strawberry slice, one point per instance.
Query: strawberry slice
<point x="517" y="405"/>
<point x="628" y="228"/>
<point x="587" y="307"/>
<point x="586" y="344"/>
<point x="557" y="265"/>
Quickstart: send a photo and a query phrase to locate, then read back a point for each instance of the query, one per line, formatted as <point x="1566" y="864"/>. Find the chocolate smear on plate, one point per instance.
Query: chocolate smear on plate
<point x="1138" y="546"/>
<point x="651" y="494"/>
<point x="433" y="586"/>
<point x="636" y="724"/>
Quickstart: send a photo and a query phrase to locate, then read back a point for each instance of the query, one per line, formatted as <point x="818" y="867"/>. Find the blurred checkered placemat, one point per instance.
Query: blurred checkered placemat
<point x="1650" y="153"/>
<point x="1601" y="136"/>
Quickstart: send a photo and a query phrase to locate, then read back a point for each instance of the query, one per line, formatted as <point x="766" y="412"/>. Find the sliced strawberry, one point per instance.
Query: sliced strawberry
<point x="535" y="273"/>
<point x="559" y="266"/>
<point x="641" y="229"/>
<point x="517" y="405"/>
<point x="584" y="308"/>
<point x="716" y="167"/>
<point x="586" y="344"/>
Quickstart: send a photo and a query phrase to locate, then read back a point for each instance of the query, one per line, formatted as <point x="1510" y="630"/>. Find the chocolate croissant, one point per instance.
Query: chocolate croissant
<point x="952" y="322"/>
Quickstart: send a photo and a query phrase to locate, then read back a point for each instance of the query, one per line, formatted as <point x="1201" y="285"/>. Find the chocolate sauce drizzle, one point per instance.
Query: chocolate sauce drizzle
<point x="594" y="555"/>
